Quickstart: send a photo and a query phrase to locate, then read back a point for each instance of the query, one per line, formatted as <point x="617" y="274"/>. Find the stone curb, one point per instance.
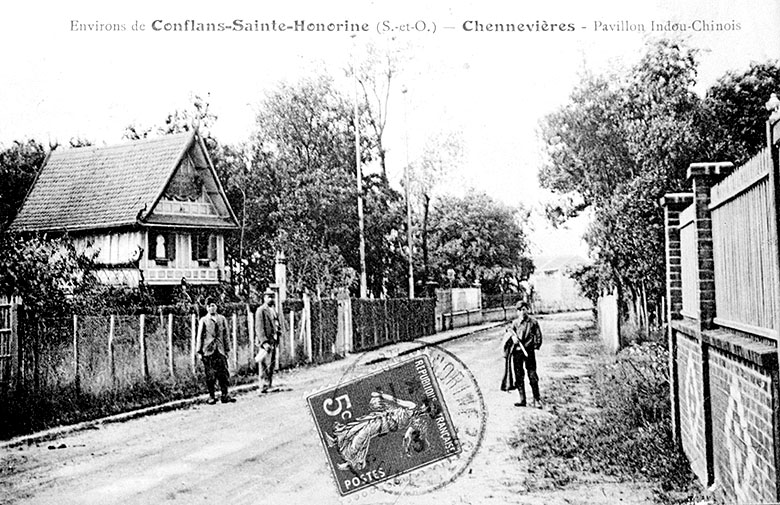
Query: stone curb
<point x="54" y="433"/>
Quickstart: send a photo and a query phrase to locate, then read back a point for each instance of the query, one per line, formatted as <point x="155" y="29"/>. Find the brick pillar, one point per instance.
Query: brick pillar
<point x="772" y="141"/>
<point x="702" y="177"/>
<point x="673" y="204"/>
<point x="280" y="277"/>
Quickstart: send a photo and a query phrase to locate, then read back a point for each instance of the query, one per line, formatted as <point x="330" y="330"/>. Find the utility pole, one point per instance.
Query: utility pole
<point x="361" y="225"/>
<point x="408" y="203"/>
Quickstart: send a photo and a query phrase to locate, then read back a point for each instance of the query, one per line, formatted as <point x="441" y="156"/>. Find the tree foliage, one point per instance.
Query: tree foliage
<point x="479" y="238"/>
<point x="304" y="187"/>
<point x="197" y="115"/>
<point x="625" y="139"/>
<point x="47" y="273"/>
<point x="18" y="166"/>
<point x="736" y="105"/>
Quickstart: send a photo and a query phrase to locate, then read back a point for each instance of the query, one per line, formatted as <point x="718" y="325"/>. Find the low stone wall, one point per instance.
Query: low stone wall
<point x="460" y="319"/>
<point x="499" y="314"/>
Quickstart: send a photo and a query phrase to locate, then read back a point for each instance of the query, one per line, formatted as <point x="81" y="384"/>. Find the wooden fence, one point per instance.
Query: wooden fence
<point x="745" y="248"/>
<point x="723" y="319"/>
<point x="381" y="322"/>
<point x="94" y="354"/>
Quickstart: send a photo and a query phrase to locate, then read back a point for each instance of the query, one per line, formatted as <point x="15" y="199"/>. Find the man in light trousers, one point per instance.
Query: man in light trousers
<point x="267" y="333"/>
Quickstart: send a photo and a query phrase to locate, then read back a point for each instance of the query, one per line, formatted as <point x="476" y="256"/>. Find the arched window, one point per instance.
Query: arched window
<point x="161" y="246"/>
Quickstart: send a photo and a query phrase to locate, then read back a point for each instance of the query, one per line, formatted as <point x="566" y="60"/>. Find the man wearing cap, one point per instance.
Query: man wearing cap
<point x="267" y="333"/>
<point x="524" y="338"/>
<point x="213" y="345"/>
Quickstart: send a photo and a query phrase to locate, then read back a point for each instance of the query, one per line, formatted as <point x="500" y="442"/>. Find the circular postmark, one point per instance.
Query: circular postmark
<point x="400" y="425"/>
<point x="466" y="406"/>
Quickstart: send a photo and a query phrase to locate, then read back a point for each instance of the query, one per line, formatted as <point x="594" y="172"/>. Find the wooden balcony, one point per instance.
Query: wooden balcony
<point x="159" y="276"/>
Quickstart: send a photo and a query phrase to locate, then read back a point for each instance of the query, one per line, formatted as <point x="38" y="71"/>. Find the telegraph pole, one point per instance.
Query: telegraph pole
<point x="361" y="225"/>
<point x="408" y="203"/>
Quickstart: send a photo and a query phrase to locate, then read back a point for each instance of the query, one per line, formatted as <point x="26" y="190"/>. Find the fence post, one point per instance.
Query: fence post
<point x="348" y="343"/>
<point x="142" y="342"/>
<point x="292" y="336"/>
<point x="111" y="367"/>
<point x="76" y="379"/>
<point x="385" y="319"/>
<point x="277" y="353"/>
<point x="193" y="337"/>
<point x="307" y="326"/>
<point x="170" y="346"/>
<point x="234" y="347"/>
<point x="250" y="329"/>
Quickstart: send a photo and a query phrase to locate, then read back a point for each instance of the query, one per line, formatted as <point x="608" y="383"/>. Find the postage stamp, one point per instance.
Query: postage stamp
<point x="383" y="425"/>
<point x="468" y="413"/>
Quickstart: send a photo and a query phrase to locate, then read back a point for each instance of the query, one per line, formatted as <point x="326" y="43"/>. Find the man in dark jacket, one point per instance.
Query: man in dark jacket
<point x="267" y="333"/>
<point x="520" y="346"/>
<point x="213" y="345"/>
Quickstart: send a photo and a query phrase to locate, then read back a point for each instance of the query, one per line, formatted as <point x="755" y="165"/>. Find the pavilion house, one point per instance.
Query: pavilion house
<point x="152" y="210"/>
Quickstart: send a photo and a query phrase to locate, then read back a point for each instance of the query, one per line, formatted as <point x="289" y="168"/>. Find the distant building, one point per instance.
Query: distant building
<point x="554" y="291"/>
<point x="153" y="210"/>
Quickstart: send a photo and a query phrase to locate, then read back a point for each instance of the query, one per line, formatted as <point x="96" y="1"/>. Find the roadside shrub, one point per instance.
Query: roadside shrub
<point x="622" y="430"/>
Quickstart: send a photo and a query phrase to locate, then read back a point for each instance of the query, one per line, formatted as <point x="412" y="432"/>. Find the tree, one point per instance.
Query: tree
<point x="440" y="157"/>
<point x="375" y="74"/>
<point x="49" y="275"/>
<point x="482" y="240"/>
<point x="197" y="115"/>
<point x="19" y="165"/>
<point x="621" y="142"/>
<point x="626" y="138"/>
<point x="736" y="105"/>
<point x="304" y="173"/>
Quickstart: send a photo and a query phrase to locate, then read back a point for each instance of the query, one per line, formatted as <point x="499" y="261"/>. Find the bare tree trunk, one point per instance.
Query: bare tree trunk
<point x="382" y="156"/>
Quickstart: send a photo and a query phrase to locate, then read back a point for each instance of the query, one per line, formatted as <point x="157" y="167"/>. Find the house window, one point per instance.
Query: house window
<point x="203" y="247"/>
<point x="161" y="247"/>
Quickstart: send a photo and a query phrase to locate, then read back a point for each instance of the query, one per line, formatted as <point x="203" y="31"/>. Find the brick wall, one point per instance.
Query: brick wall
<point x="742" y="429"/>
<point x="691" y="403"/>
<point x="724" y="375"/>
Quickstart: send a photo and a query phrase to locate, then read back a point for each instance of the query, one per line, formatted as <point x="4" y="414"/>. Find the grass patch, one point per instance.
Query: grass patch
<point x="613" y="422"/>
<point x="28" y="412"/>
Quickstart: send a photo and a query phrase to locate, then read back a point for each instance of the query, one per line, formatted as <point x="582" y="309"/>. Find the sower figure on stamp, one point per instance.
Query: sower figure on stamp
<point x="267" y="333"/>
<point x="213" y="345"/>
<point x="524" y="338"/>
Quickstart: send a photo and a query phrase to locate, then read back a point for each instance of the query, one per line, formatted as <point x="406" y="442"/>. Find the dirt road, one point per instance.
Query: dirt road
<point x="264" y="449"/>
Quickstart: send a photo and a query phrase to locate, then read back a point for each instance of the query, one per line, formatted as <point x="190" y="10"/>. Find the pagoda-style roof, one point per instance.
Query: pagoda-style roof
<point x="93" y="188"/>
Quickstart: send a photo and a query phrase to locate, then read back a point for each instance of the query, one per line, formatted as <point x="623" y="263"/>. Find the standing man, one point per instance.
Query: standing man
<point x="267" y="333"/>
<point x="213" y="345"/>
<point x="520" y="346"/>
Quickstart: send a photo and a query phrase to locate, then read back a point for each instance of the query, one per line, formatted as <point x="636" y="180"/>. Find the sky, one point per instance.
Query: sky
<point x="65" y="74"/>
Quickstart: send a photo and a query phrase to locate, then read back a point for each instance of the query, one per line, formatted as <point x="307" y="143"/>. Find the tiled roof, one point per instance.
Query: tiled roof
<point x="100" y="187"/>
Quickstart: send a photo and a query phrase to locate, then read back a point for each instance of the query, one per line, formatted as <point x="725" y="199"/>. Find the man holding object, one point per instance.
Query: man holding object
<point x="523" y="339"/>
